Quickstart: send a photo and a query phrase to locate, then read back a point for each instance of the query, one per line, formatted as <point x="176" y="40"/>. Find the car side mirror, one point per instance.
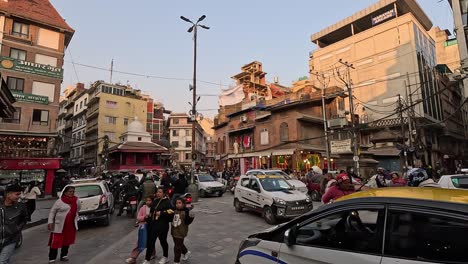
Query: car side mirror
<point x="290" y="236"/>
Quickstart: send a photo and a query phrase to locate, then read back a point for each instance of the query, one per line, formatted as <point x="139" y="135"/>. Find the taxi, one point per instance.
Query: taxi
<point x="386" y="225"/>
<point x="272" y="195"/>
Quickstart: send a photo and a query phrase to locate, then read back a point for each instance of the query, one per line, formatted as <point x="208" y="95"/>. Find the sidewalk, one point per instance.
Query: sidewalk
<point x="42" y="212"/>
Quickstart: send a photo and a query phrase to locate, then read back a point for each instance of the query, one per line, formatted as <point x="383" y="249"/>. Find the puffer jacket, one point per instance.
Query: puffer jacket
<point x="13" y="218"/>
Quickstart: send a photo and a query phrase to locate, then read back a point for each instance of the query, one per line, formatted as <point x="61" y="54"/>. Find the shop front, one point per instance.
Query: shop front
<point x="25" y="170"/>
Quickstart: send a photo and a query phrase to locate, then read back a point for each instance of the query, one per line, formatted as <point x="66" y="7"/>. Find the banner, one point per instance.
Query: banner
<point x="340" y="146"/>
<point x="30" y="98"/>
<point x="231" y="96"/>
<point x="30" y="67"/>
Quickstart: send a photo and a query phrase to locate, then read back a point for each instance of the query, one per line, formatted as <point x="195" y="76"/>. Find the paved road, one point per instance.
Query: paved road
<point x="214" y="237"/>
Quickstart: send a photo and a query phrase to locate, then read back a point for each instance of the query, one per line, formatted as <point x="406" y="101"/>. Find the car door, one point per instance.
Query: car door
<point x="423" y="236"/>
<point x="350" y="235"/>
<point x="242" y="189"/>
<point x="254" y="194"/>
<point x="109" y="195"/>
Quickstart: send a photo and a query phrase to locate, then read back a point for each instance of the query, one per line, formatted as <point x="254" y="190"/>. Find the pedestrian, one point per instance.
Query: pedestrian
<point x="180" y="185"/>
<point x="30" y="196"/>
<point x="63" y="223"/>
<point x="13" y="218"/>
<point x="143" y="214"/>
<point x="158" y="226"/>
<point x="343" y="187"/>
<point x="397" y="180"/>
<point x="181" y="220"/>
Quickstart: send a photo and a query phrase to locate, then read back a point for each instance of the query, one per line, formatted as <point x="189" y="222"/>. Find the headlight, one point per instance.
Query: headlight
<point x="279" y="201"/>
<point x="308" y="200"/>
<point x="208" y="188"/>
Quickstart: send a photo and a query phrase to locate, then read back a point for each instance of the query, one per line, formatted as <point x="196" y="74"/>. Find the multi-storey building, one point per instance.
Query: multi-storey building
<point x="78" y="137"/>
<point x="33" y="40"/>
<point x="180" y="137"/>
<point x="460" y="14"/>
<point x="109" y="110"/>
<point x="392" y="54"/>
<point x="156" y="120"/>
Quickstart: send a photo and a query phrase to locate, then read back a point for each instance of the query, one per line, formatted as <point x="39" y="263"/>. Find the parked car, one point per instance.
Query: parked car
<point x="299" y="185"/>
<point x="97" y="201"/>
<point x="457" y="181"/>
<point x="271" y="195"/>
<point x="385" y="225"/>
<point x="207" y="185"/>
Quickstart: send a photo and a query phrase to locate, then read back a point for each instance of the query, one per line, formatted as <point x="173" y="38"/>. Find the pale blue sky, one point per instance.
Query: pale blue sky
<point x="147" y="37"/>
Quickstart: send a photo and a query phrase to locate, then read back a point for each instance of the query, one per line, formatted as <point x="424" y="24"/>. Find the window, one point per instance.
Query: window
<point x="264" y="137"/>
<point x="76" y="108"/>
<point x="20" y="30"/>
<point x="175" y="144"/>
<point x="175" y="121"/>
<point x="85" y="101"/>
<point x="187" y="156"/>
<point x="355" y="230"/>
<point x="110" y="135"/>
<point x="111" y="120"/>
<point x="139" y="138"/>
<point x="254" y="184"/>
<point x="111" y="104"/>
<point x="44" y="89"/>
<point x="46" y="60"/>
<point x="175" y="133"/>
<point x="125" y="121"/>
<point x="48" y="38"/>
<point x="284" y="132"/>
<point x="188" y="132"/>
<point x="188" y="144"/>
<point x="17" y="54"/>
<point x="245" y="182"/>
<point x="40" y="117"/>
<point x="16" y="117"/>
<point x="15" y="84"/>
<point x="176" y="156"/>
<point x="81" y="104"/>
<point x="423" y="237"/>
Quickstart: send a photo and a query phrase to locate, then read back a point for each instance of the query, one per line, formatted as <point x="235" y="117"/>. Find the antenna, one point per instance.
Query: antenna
<point x="111" y="70"/>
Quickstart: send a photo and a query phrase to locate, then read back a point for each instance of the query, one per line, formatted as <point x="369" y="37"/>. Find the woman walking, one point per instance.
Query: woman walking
<point x="30" y="195"/>
<point x="182" y="218"/>
<point x="143" y="214"/>
<point x="158" y="226"/>
<point x="63" y="223"/>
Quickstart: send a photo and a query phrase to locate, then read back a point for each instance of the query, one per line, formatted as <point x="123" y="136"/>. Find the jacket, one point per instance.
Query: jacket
<point x="334" y="193"/>
<point x="12" y="220"/>
<point x="164" y="207"/>
<point x="180" y="185"/>
<point x="143" y="213"/>
<point x="148" y="189"/>
<point x="180" y="222"/>
<point x="58" y="213"/>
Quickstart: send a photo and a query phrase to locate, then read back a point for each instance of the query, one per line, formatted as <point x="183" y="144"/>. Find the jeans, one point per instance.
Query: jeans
<point x="179" y="249"/>
<point x="6" y="253"/>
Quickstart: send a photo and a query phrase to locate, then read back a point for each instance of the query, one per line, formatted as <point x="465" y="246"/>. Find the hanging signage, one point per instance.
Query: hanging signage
<point x="340" y="146"/>
<point x="30" y="67"/>
<point x="30" y="98"/>
<point x="383" y="17"/>
<point x="29" y="164"/>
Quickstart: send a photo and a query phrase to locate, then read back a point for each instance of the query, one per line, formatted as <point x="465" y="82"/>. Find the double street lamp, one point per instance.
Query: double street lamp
<point x="193" y="113"/>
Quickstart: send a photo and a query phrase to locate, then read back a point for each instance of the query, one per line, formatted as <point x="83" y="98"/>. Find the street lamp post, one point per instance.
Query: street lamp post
<point x="193" y="188"/>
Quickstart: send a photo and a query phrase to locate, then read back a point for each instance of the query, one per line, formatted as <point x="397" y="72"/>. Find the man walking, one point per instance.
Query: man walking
<point x="13" y="216"/>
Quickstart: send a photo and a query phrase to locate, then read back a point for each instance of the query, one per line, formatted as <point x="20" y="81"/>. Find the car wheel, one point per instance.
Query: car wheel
<point x="316" y="196"/>
<point x="106" y="220"/>
<point x="238" y="206"/>
<point x="270" y="218"/>
<point x="202" y="193"/>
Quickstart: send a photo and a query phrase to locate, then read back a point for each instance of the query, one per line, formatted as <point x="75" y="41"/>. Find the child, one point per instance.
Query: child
<point x="182" y="218"/>
<point x="142" y="234"/>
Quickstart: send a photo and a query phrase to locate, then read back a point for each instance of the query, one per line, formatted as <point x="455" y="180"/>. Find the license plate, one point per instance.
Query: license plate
<point x="133" y="202"/>
<point x="82" y="217"/>
<point x="298" y="208"/>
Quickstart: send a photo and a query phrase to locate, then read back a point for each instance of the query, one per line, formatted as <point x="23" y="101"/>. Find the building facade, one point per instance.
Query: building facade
<point x="109" y="110"/>
<point x="34" y="38"/>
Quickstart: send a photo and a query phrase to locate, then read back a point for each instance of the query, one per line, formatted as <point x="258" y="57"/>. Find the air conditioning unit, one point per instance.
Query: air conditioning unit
<point x="243" y="118"/>
<point x="337" y="122"/>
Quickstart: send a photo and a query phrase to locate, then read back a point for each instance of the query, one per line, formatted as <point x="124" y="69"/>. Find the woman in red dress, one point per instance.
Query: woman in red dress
<point x="63" y="223"/>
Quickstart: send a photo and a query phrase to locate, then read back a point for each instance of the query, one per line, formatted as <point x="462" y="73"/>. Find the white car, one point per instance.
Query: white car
<point x="96" y="199"/>
<point x="207" y="185"/>
<point x="299" y="185"/>
<point x="457" y="181"/>
<point x="271" y="195"/>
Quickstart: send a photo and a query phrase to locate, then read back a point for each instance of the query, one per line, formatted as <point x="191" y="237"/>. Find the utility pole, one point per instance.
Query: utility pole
<point x="321" y="79"/>
<point x="405" y="147"/>
<point x="193" y="188"/>
<point x="410" y="113"/>
<point x="105" y="152"/>
<point x="348" y="84"/>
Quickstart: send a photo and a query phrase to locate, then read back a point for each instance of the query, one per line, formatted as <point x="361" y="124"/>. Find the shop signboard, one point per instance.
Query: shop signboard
<point x="340" y="146"/>
<point x="383" y="17"/>
<point x="29" y="164"/>
<point x="30" y="98"/>
<point x="30" y="67"/>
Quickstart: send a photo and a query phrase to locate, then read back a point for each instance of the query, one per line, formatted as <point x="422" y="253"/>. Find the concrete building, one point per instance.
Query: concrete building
<point x="180" y="137"/>
<point x="34" y="37"/>
<point x="156" y="120"/>
<point x="109" y="109"/>
<point x="460" y="18"/>
<point x="392" y="54"/>
<point x="78" y="138"/>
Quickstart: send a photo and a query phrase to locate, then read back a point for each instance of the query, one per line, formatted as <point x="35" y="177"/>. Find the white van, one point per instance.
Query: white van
<point x="271" y="195"/>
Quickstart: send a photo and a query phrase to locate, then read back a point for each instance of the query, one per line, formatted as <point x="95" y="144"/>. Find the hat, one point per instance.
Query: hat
<point x="13" y="188"/>
<point x="342" y="177"/>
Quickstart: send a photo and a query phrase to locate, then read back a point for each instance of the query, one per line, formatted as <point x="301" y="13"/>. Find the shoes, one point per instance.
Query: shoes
<point x="130" y="260"/>
<point x="186" y="256"/>
<point x="163" y="260"/>
<point x="146" y="262"/>
<point x="64" y="258"/>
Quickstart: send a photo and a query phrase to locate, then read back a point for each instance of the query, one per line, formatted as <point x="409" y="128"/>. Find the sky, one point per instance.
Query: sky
<point x="147" y="37"/>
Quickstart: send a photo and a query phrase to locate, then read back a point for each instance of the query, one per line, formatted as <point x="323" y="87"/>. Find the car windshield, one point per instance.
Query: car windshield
<point x="205" y="178"/>
<point x="460" y="182"/>
<point x="274" y="184"/>
<point x="85" y="191"/>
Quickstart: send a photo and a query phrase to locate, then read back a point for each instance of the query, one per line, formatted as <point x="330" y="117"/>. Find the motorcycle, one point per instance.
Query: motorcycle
<point x="131" y="204"/>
